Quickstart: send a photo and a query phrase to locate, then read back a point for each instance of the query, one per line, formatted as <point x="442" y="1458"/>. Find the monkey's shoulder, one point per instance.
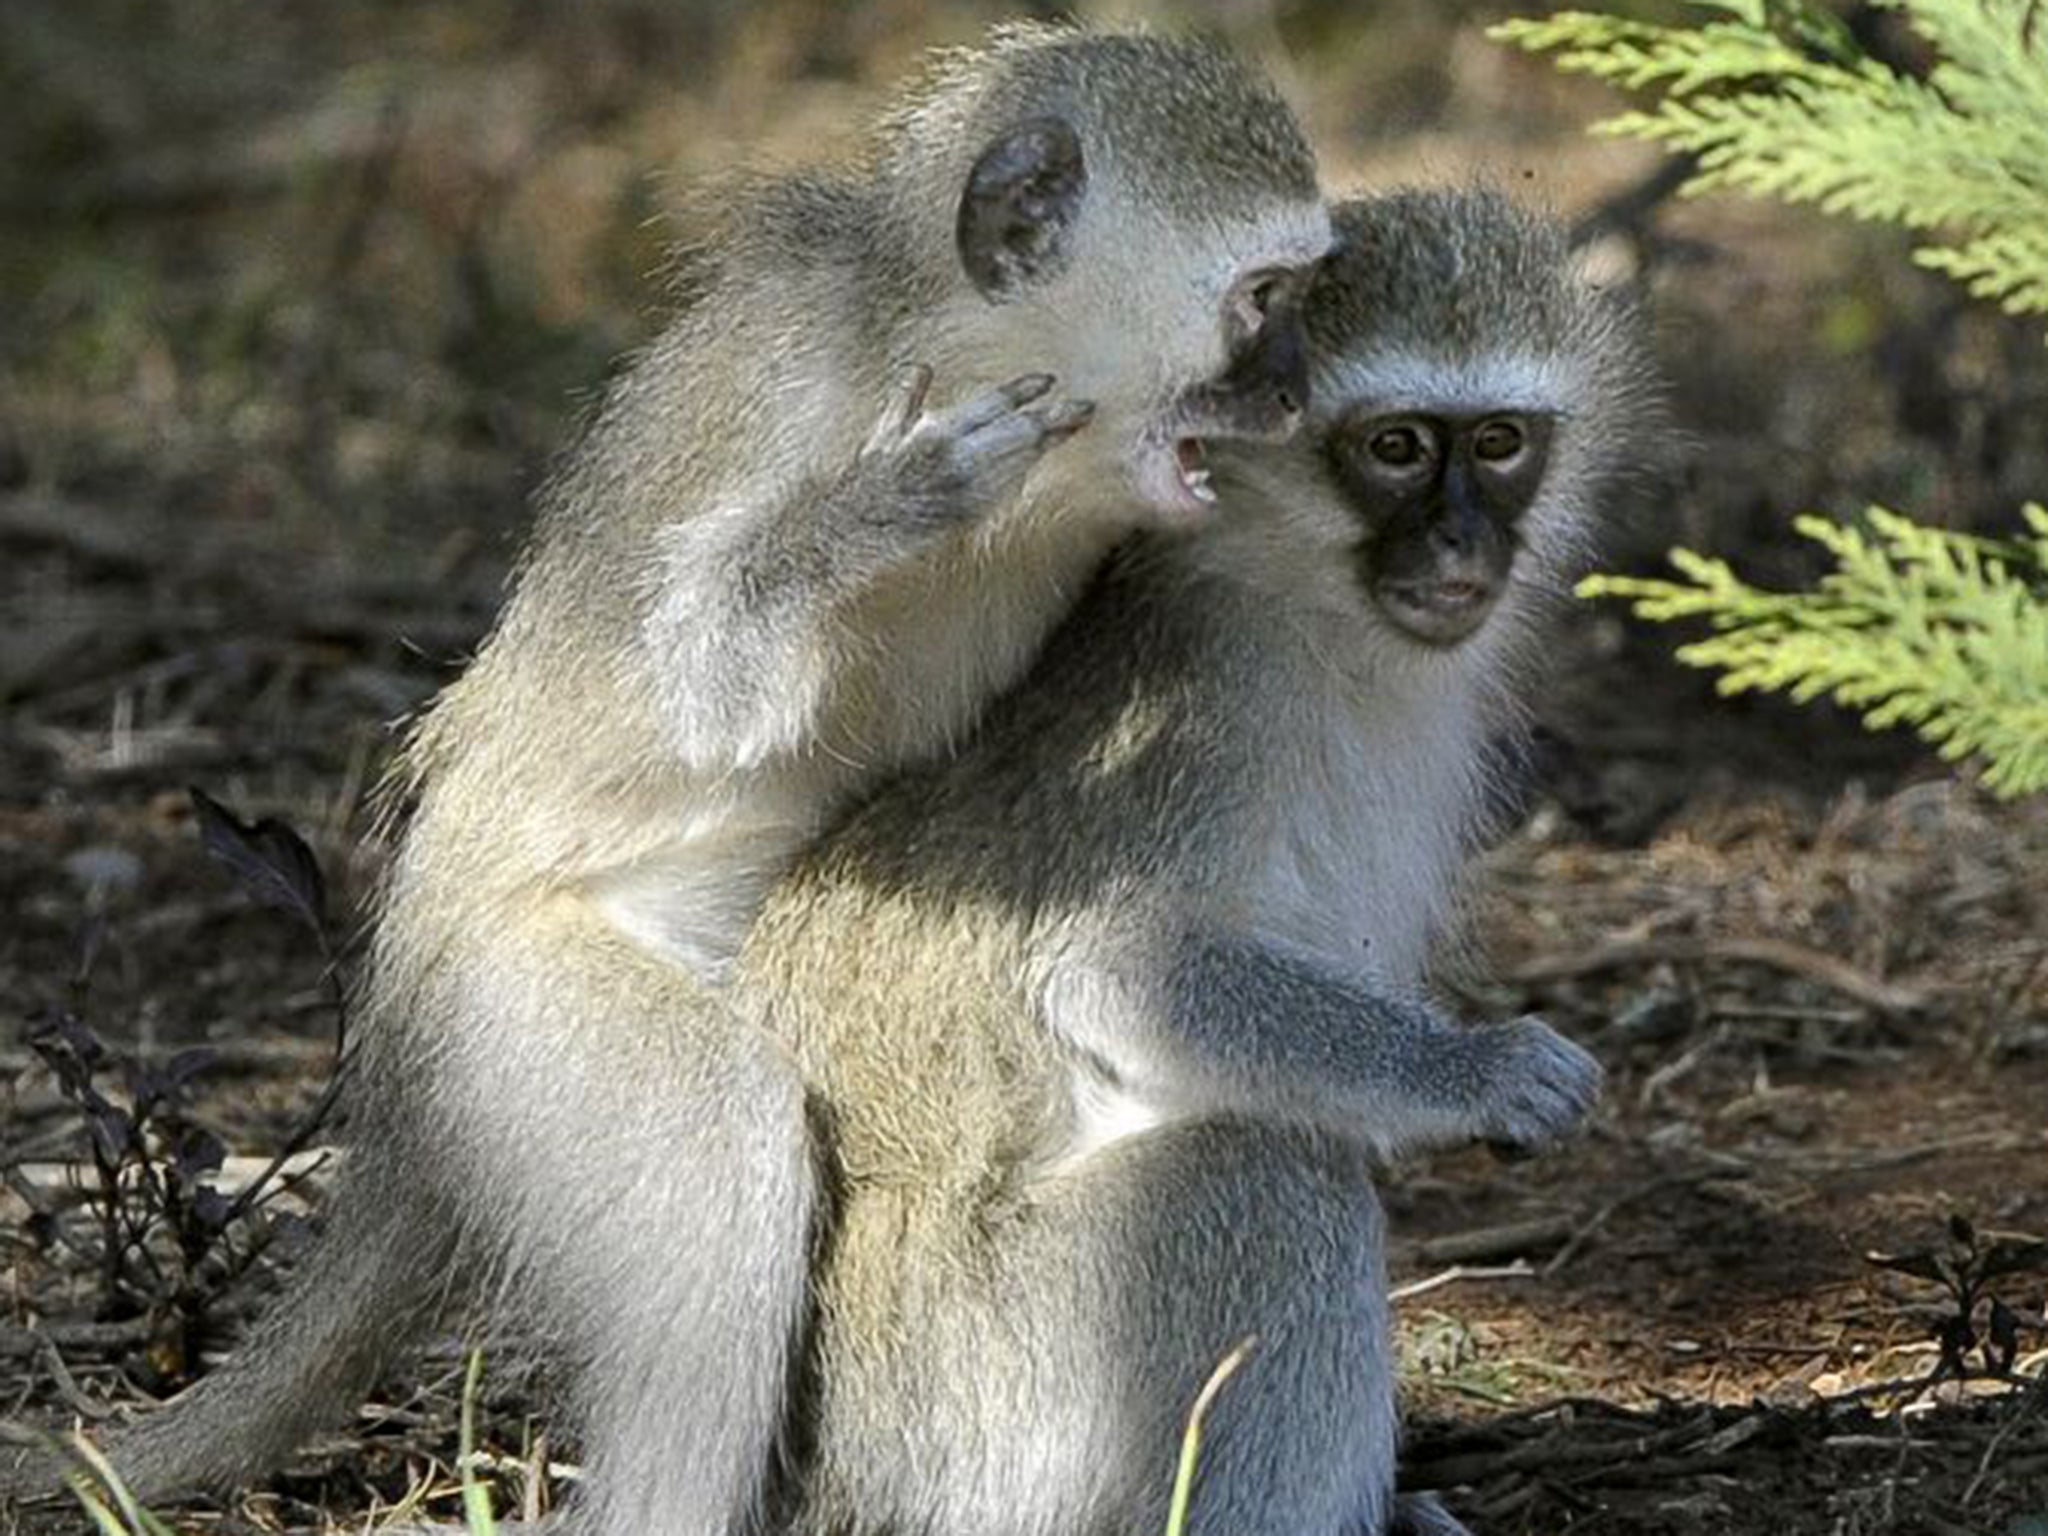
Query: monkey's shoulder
<point x="1148" y="719"/>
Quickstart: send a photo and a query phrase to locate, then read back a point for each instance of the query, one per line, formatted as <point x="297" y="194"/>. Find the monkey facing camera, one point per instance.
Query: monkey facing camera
<point x="1443" y="495"/>
<point x="1111" y="1015"/>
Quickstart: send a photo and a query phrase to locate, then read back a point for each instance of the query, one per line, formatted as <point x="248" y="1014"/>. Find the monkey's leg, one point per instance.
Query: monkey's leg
<point x="1030" y="1372"/>
<point x="641" y="1157"/>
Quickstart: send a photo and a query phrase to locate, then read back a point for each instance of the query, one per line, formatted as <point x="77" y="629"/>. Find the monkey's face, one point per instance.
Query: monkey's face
<point x="1257" y="393"/>
<point x="1443" y="496"/>
<point x="1187" y="338"/>
<point x="1183" y="327"/>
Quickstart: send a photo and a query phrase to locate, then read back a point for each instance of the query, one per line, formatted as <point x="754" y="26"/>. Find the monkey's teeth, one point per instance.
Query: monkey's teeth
<point x="1192" y="460"/>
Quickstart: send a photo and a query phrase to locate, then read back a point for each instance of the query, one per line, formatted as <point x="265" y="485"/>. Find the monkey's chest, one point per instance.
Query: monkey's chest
<point x="1356" y="859"/>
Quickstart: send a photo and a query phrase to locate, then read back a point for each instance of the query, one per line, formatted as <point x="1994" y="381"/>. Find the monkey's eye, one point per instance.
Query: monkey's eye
<point x="1497" y="441"/>
<point x="1398" y="447"/>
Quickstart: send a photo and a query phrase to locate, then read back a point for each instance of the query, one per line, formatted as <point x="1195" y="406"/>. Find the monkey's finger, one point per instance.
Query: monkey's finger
<point x="1062" y="421"/>
<point x="905" y="409"/>
<point x="1025" y="388"/>
<point x="1018" y="433"/>
<point x="993" y="405"/>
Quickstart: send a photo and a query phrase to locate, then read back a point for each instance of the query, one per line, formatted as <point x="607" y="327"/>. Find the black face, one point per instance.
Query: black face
<point x="1441" y="496"/>
<point x="1263" y="386"/>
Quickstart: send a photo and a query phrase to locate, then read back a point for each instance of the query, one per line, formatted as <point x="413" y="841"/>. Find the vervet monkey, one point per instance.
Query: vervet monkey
<point x="1109" y="1018"/>
<point x="768" y="575"/>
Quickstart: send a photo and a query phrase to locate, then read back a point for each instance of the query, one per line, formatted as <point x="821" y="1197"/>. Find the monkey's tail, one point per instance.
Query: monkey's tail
<point x="355" y="1301"/>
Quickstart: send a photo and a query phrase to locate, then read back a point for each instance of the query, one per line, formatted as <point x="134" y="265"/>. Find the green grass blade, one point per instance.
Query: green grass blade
<point x="1191" y="1438"/>
<point x="476" y="1498"/>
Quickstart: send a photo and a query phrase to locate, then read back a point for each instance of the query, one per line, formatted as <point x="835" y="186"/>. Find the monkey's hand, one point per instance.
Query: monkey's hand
<point x="1537" y="1084"/>
<point x="740" y="633"/>
<point x="926" y="473"/>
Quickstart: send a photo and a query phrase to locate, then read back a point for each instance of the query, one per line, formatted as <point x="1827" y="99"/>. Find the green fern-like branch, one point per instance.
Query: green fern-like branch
<point x="1775" y="100"/>
<point x="2009" y="268"/>
<point x="1940" y="631"/>
<point x="1915" y="626"/>
<point x="1637" y="55"/>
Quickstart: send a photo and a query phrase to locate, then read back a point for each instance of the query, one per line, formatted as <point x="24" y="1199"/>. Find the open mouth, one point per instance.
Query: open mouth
<point x="1191" y="460"/>
<point x="1174" y="477"/>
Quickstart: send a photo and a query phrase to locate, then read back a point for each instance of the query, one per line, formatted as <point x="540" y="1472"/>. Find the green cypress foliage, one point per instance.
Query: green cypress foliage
<point x="1942" y="631"/>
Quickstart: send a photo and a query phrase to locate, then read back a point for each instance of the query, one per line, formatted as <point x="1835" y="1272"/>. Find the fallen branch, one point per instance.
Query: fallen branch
<point x="89" y="1338"/>
<point x="1815" y="965"/>
<point x="1481" y="1245"/>
<point x="1519" y="1270"/>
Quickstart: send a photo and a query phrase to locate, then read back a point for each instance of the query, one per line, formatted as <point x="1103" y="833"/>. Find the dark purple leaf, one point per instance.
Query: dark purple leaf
<point x="44" y="1040"/>
<point x="211" y="1208"/>
<point x="2003" y="1348"/>
<point x="1917" y="1262"/>
<point x="112" y="1134"/>
<point x="199" y="1152"/>
<point x="1960" y="1229"/>
<point x="1957" y="1338"/>
<point x="2012" y="1256"/>
<point x="67" y="1047"/>
<point x="267" y="858"/>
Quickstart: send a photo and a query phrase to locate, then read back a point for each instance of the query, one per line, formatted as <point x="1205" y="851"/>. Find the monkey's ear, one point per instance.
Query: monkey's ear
<point x="1020" y="200"/>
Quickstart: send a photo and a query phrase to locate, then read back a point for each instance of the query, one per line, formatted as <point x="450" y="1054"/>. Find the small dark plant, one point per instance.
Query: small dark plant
<point x="1967" y="1266"/>
<point x="148" y="1159"/>
<point x="167" y="1243"/>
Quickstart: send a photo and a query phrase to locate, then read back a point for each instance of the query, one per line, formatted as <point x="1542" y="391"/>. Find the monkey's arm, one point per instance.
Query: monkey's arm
<point x="1207" y="1022"/>
<point x="751" y="625"/>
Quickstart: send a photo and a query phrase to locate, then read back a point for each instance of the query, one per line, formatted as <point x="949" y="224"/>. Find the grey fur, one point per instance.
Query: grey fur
<point x="1109" y="1018"/>
<point x="766" y="577"/>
